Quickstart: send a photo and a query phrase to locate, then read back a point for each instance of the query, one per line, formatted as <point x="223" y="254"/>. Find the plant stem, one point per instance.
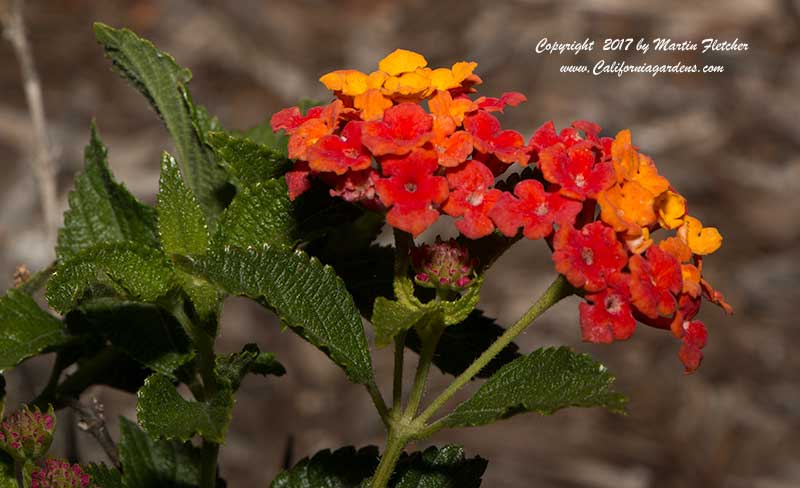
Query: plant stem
<point x="558" y="289"/>
<point x="394" y="448"/>
<point x="429" y="343"/>
<point x="208" y="473"/>
<point x="380" y="403"/>
<point x="397" y="387"/>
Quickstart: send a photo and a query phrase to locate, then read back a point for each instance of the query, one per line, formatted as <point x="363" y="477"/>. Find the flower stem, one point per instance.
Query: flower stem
<point x="208" y="470"/>
<point x="429" y="343"/>
<point x="558" y="289"/>
<point x="397" y="387"/>
<point x="394" y="448"/>
<point x="380" y="403"/>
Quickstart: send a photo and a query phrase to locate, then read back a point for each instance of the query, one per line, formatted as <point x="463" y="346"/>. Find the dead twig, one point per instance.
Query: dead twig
<point x="92" y="420"/>
<point x="43" y="165"/>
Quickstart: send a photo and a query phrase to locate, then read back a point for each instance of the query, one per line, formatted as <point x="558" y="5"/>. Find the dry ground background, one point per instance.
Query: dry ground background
<point x="730" y="142"/>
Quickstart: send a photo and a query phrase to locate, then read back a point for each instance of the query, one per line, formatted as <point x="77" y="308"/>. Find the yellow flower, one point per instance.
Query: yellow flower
<point x="671" y="208"/>
<point x="402" y="61"/>
<point x="701" y="240"/>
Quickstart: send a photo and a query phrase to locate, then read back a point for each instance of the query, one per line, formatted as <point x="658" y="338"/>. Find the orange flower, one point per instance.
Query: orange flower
<point x="701" y="240"/>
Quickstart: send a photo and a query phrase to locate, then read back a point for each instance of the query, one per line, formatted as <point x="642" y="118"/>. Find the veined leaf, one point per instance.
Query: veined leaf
<point x="160" y="79"/>
<point x="164" y="414"/>
<point x="233" y="367"/>
<point x="390" y="318"/>
<point x="156" y="464"/>
<point x="263" y="134"/>
<point x="132" y="328"/>
<point x="130" y="270"/>
<point x="105" y="477"/>
<point x="181" y="223"/>
<point x="25" y="329"/>
<point x="247" y="161"/>
<point x="545" y="381"/>
<point x="439" y="467"/>
<point x="344" y="468"/>
<point x="102" y="210"/>
<point x="307" y="296"/>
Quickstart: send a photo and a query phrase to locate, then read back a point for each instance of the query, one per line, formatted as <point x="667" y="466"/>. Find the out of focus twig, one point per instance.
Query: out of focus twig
<point x="43" y="165"/>
<point x="92" y="421"/>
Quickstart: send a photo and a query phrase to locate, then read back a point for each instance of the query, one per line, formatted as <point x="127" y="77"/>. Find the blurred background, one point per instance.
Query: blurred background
<point x="730" y="142"/>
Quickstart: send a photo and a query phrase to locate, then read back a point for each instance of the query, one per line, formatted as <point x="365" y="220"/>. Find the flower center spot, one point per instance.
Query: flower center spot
<point x="587" y="255"/>
<point x="613" y="304"/>
<point x="475" y="199"/>
<point x="542" y="209"/>
<point x="580" y="181"/>
<point x="410" y="187"/>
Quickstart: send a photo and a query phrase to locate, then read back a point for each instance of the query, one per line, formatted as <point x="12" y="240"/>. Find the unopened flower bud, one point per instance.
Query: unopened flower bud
<point x="27" y="434"/>
<point x="444" y="264"/>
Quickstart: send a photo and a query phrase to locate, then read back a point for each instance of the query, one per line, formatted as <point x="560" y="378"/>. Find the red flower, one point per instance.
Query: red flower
<point x="297" y="179"/>
<point x="290" y="118"/>
<point x="606" y="316"/>
<point x="574" y="169"/>
<point x="546" y="135"/>
<point x="411" y="190"/>
<point x="404" y="127"/>
<point x="312" y="129"/>
<point x="453" y="149"/>
<point x="356" y="186"/>
<point x="535" y="210"/>
<point x="340" y="153"/>
<point x="693" y="340"/>
<point x="588" y="257"/>
<point x="507" y="145"/>
<point x="511" y="99"/>
<point x="654" y="282"/>
<point x="472" y="197"/>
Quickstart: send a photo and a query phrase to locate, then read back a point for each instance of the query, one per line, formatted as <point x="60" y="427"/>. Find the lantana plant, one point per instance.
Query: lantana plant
<point x="288" y="214"/>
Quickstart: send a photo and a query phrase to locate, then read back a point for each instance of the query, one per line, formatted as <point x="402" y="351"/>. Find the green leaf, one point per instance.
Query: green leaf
<point x="263" y="214"/>
<point x="444" y="467"/>
<point x="132" y="327"/>
<point x="232" y="368"/>
<point x="25" y="329"/>
<point x="545" y="381"/>
<point x="439" y="467"/>
<point x="104" y="477"/>
<point x="130" y="270"/>
<point x="307" y="296"/>
<point x="248" y="162"/>
<point x="156" y="464"/>
<point x="391" y="318"/>
<point x="181" y="223"/>
<point x="164" y="414"/>
<point x="7" y="477"/>
<point x="460" y="345"/>
<point x="263" y="134"/>
<point x="206" y="300"/>
<point x="160" y="79"/>
<point x="344" y="468"/>
<point x="102" y="210"/>
<point x="456" y="311"/>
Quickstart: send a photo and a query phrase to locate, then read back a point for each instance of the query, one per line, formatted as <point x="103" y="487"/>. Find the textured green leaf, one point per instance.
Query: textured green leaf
<point x="263" y="213"/>
<point x="247" y="161"/>
<point x="181" y="223"/>
<point x="458" y="310"/>
<point x="307" y="296"/>
<point x="104" y="477"/>
<point x="25" y="329"/>
<point x="160" y="79"/>
<point x="545" y="381"/>
<point x="206" y="300"/>
<point x="391" y="318"/>
<point x="439" y="467"/>
<point x="132" y="271"/>
<point x="233" y="367"/>
<point x="444" y="467"/>
<point x="156" y="464"/>
<point x="164" y="414"/>
<point x="460" y="345"/>
<point x="344" y="468"/>
<point x="132" y="327"/>
<point x="102" y="210"/>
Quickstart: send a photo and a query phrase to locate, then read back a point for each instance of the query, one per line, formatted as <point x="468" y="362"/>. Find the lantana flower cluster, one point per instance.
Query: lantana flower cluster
<point x="417" y="143"/>
<point x="27" y="433"/>
<point x="58" y="473"/>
